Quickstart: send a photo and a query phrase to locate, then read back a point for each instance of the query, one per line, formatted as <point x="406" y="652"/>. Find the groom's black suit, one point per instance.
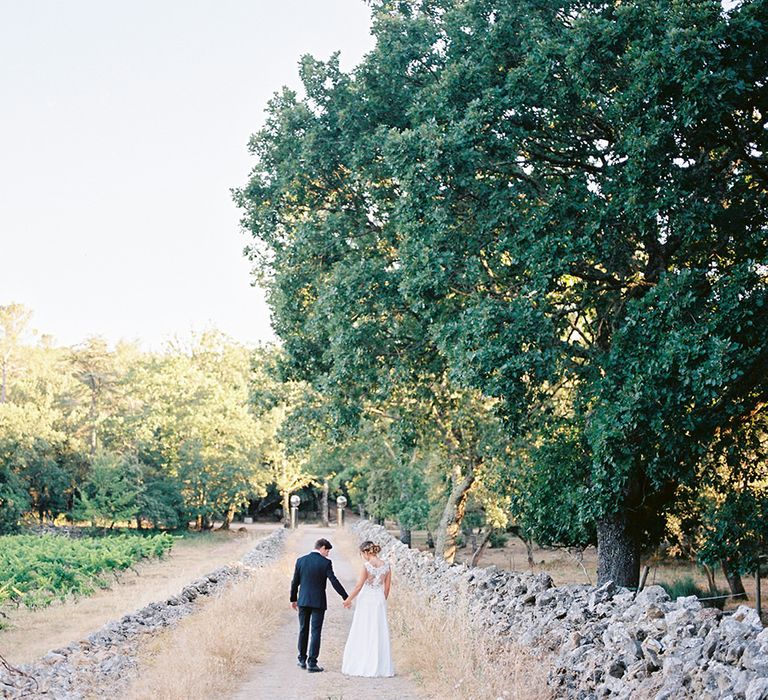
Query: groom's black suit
<point x="308" y="589"/>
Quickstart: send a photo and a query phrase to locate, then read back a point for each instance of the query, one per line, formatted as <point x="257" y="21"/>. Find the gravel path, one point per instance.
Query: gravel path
<point x="279" y="676"/>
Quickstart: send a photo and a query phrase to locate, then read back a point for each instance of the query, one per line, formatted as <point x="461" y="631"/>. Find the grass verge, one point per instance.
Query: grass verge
<point x="208" y="652"/>
<point x="450" y="657"/>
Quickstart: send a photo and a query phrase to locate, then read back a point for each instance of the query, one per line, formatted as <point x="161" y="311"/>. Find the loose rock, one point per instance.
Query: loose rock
<point x="601" y="642"/>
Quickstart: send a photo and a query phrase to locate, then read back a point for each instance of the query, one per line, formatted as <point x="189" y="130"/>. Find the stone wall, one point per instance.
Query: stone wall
<point x="602" y="642"/>
<point x="103" y="663"/>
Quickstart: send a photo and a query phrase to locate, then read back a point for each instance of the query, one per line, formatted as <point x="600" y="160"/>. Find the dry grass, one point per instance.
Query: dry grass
<point x="31" y="633"/>
<point x="207" y="653"/>
<point x="450" y="657"/>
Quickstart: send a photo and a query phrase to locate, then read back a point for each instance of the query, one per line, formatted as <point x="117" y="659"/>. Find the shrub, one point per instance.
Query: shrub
<point x="497" y="539"/>
<point x="683" y="587"/>
<point x="687" y="586"/>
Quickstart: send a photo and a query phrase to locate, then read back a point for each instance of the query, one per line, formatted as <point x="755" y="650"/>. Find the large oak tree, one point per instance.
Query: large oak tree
<point x="556" y="203"/>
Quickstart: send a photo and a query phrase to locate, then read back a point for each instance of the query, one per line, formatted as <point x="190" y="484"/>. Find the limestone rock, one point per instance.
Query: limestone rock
<point x="757" y="690"/>
<point x="603" y="642"/>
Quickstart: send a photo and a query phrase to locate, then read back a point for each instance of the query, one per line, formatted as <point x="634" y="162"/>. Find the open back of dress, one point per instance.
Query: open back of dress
<point x="368" y="652"/>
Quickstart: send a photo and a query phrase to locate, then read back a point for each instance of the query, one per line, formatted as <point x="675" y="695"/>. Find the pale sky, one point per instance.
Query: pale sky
<point x="123" y="126"/>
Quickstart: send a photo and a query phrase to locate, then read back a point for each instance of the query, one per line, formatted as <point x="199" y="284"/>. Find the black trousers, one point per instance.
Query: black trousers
<point x="310" y="629"/>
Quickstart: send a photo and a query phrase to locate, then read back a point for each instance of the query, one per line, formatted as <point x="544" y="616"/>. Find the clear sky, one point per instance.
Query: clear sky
<point x="123" y="126"/>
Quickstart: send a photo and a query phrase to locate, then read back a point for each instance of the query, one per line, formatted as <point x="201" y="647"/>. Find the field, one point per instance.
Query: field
<point x="36" y="570"/>
<point x="26" y="633"/>
<point x="564" y="568"/>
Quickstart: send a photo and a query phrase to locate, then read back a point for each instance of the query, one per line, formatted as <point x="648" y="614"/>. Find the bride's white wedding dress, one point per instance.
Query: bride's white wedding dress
<point x="368" y="651"/>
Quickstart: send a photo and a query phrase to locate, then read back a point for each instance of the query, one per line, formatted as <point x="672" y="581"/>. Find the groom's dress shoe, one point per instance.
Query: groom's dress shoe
<point x="301" y="664"/>
<point x="315" y="669"/>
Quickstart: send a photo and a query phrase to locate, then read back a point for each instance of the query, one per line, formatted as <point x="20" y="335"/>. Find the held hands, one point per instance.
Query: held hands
<point x="347" y="603"/>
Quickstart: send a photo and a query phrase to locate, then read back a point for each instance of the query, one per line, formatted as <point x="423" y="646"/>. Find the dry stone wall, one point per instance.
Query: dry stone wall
<point x="601" y="642"/>
<point x="103" y="663"/>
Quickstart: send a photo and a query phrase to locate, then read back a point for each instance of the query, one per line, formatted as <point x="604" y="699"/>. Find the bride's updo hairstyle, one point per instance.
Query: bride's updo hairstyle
<point x="370" y="548"/>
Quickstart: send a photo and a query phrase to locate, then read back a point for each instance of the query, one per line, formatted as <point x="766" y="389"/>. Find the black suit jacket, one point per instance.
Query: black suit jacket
<point x="309" y="579"/>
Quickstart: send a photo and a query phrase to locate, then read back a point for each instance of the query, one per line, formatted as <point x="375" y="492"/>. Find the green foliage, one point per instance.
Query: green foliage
<point x="35" y="571"/>
<point x="73" y="417"/>
<point x="686" y="586"/>
<point x="37" y="455"/>
<point x="111" y="492"/>
<point x="161" y="501"/>
<point x="196" y="425"/>
<point x="13" y="500"/>
<point x="398" y="490"/>
<point x="683" y="587"/>
<point x="199" y="485"/>
<point x="13" y="322"/>
<point x="563" y="208"/>
<point x="735" y="528"/>
<point x="546" y="482"/>
<point x="497" y="539"/>
<point x="33" y="461"/>
<point x="95" y="369"/>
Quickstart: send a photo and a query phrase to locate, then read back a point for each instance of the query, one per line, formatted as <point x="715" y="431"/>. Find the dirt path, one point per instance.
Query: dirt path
<point x="32" y="633"/>
<point x="279" y="676"/>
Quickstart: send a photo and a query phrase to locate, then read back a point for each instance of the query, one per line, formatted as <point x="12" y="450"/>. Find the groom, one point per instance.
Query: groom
<point x="308" y="597"/>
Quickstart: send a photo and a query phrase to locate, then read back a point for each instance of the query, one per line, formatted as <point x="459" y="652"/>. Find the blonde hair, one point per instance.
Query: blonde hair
<point x="370" y="548"/>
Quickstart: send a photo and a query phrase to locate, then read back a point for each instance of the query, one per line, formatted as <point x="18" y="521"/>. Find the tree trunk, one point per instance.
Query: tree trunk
<point x="286" y="508"/>
<point x="430" y="540"/>
<point x="481" y="547"/>
<point x="405" y="535"/>
<point x="324" y="514"/>
<point x="732" y="575"/>
<point x="529" y="551"/>
<point x="228" y="517"/>
<point x="521" y="534"/>
<point x="618" y="552"/>
<point x="94" y="414"/>
<point x="453" y="513"/>
<point x="710" y="579"/>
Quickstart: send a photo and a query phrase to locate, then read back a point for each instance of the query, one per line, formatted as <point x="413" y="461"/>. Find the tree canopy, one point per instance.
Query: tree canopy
<point x="116" y="435"/>
<point x="561" y="205"/>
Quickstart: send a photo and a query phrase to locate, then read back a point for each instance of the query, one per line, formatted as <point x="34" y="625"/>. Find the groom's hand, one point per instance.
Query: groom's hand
<point x="347" y="603"/>
<point x="295" y="605"/>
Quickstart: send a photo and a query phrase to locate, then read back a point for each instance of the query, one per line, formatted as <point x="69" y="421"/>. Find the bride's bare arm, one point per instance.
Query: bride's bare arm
<point x="387" y="583"/>
<point x="357" y="588"/>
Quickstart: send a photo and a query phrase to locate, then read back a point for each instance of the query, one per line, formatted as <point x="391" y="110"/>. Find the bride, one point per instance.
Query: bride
<point x="367" y="652"/>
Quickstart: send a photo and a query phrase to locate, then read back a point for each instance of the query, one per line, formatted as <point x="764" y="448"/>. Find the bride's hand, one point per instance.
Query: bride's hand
<point x="347" y="603"/>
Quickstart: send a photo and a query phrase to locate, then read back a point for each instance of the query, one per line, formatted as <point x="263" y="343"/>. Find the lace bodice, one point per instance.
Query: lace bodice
<point x="376" y="574"/>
